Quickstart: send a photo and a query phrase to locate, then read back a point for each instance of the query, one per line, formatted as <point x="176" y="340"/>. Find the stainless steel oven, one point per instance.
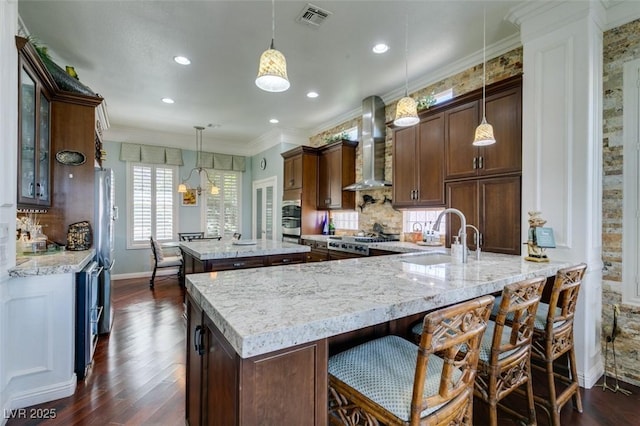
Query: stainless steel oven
<point x="291" y="218"/>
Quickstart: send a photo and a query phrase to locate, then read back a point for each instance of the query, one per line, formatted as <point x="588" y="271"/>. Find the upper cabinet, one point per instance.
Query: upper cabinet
<point x="293" y="172"/>
<point x="34" y="138"/>
<point x="504" y="113"/>
<point x="337" y="169"/>
<point x="418" y="163"/>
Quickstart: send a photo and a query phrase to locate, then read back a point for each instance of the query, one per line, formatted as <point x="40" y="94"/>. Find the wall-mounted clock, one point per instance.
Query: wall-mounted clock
<point x="263" y="163"/>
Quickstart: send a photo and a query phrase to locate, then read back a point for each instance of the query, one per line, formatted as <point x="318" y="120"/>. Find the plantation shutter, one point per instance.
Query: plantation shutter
<point x="153" y="203"/>
<point x="223" y="209"/>
<point x="141" y="201"/>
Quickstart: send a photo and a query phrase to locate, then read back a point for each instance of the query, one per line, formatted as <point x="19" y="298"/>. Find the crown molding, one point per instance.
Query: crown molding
<point x="621" y="12"/>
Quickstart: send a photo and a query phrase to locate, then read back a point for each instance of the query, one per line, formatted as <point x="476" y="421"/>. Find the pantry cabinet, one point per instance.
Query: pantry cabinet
<point x="493" y="206"/>
<point x="337" y="169"/>
<point x="418" y="164"/>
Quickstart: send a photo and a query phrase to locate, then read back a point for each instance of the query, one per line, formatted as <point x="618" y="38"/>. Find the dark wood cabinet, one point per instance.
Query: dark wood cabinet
<point x="293" y="172"/>
<point x="504" y="113"/>
<point x="418" y="164"/>
<point x="34" y="131"/>
<point x="381" y="252"/>
<point x="225" y="389"/>
<point x="337" y="169"/>
<point x="493" y="206"/>
<point x="319" y="251"/>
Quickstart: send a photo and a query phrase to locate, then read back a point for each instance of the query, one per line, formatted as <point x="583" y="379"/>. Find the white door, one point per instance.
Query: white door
<point x="265" y="211"/>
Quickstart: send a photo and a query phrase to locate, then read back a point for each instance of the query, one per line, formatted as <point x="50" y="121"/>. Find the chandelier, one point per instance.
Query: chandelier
<point x="184" y="186"/>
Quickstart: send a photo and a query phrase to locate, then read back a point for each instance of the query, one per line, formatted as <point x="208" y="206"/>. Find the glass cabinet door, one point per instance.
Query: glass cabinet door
<point x="27" y="181"/>
<point x="34" y="156"/>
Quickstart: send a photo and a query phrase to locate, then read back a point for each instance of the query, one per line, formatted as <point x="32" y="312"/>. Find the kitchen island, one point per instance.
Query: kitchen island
<point x="258" y="340"/>
<point x="209" y="255"/>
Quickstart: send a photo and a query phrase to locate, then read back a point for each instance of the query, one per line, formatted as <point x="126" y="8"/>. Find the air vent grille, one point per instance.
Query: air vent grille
<point x="313" y="15"/>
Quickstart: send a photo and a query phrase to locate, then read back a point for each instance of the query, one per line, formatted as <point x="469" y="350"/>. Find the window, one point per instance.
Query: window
<point x="152" y="203"/>
<point x="345" y="220"/>
<point x="222" y="211"/>
<point x="418" y="219"/>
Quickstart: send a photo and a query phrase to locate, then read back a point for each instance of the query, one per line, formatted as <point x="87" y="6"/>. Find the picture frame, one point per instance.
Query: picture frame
<point x="189" y="198"/>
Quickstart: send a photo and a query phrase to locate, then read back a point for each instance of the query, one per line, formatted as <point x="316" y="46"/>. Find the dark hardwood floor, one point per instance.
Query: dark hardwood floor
<point x="138" y="376"/>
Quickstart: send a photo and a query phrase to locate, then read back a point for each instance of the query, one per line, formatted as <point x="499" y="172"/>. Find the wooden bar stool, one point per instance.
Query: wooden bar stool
<point x="505" y="351"/>
<point x="396" y="382"/>
<point x="553" y="338"/>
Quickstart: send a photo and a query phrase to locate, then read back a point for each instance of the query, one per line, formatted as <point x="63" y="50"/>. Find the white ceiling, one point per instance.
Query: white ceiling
<point x="124" y="51"/>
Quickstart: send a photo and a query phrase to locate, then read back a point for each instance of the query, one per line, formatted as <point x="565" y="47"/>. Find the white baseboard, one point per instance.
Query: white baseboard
<point x="37" y="396"/>
<point x="592" y="376"/>
<point x="161" y="273"/>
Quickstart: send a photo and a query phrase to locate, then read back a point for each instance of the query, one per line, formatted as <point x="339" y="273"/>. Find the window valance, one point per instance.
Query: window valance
<point x="212" y="160"/>
<point x="150" y="154"/>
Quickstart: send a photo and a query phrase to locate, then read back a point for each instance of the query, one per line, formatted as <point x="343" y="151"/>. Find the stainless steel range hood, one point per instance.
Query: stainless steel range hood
<point x="372" y="142"/>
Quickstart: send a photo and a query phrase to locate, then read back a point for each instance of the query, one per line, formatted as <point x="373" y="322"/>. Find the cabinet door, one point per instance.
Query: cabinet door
<point x="500" y="200"/>
<point x="464" y="197"/>
<point x="193" y="407"/>
<point x="330" y="179"/>
<point x="504" y="113"/>
<point x="404" y="165"/>
<point x="293" y="172"/>
<point x="221" y="388"/>
<point x="430" y="161"/>
<point x="34" y="141"/>
<point x="460" y="154"/>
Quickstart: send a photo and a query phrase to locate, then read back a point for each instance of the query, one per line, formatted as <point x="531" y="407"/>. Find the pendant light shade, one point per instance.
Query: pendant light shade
<point x="406" y="112"/>
<point x="407" y="108"/>
<point x="272" y="71"/>
<point x="484" y="132"/>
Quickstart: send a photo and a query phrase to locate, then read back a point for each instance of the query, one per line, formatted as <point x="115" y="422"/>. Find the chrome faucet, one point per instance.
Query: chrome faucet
<point x="477" y="240"/>
<point x="462" y="233"/>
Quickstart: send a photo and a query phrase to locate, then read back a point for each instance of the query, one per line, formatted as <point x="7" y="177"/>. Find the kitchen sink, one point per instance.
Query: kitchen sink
<point x="428" y="259"/>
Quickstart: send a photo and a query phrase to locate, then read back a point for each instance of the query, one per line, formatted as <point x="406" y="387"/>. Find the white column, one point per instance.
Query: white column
<point x="562" y="148"/>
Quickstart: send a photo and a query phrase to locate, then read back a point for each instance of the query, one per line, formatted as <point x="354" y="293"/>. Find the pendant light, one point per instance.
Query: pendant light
<point x="184" y="186"/>
<point x="484" y="132"/>
<point x="407" y="108"/>
<point x="272" y="71"/>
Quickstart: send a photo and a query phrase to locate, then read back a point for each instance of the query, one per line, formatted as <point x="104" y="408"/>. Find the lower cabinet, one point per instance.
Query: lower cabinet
<point x="493" y="206"/>
<point x="225" y="389"/>
<point x="319" y="251"/>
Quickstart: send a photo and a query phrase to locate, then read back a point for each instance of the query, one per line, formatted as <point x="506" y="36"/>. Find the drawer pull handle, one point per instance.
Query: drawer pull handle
<point x="238" y="264"/>
<point x="197" y="340"/>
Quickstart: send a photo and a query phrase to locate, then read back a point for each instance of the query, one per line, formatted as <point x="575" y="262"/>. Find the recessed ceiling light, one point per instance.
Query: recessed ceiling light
<point x="274" y="121"/>
<point x="312" y="95"/>
<point x="168" y="100"/>
<point x="182" y="60"/>
<point x="380" y="48"/>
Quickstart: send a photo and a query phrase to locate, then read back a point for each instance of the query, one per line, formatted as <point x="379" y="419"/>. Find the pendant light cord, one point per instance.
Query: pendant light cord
<point x="273" y="22"/>
<point x="406" y="56"/>
<point x="484" y="59"/>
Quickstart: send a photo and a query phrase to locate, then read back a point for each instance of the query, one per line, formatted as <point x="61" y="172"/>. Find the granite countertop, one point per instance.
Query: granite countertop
<point x="51" y="263"/>
<point x="225" y="249"/>
<point x="267" y="309"/>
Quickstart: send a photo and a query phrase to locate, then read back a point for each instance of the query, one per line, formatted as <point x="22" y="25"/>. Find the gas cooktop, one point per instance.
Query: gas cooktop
<point x="355" y="244"/>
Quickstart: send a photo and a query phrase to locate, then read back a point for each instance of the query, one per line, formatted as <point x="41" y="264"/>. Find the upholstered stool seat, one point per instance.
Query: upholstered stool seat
<point x="160" y="260"/>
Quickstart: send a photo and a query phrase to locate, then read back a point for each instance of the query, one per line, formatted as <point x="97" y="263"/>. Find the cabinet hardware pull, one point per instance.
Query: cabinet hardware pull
<point x="327" y="201"/>
<point x="475" y="163"/>
<point x="286" y="260"/>
<point x="238" y="264"/>
<point x="480" y="162"/>
<point x="480" y="238"/>
<point x="197" y="340"/>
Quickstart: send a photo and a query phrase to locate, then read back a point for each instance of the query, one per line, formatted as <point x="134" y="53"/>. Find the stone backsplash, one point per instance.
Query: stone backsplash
<point x="620" y="45"/>
<point x="500" y="68"/>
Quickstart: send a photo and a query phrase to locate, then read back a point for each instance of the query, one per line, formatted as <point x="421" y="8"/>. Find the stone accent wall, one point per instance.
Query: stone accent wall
<point x="498" y="69"/>
<point x="620" y="45"/>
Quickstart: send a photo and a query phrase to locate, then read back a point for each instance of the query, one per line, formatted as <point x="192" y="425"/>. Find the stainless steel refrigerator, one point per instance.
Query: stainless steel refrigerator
<point x="105" y="215"/>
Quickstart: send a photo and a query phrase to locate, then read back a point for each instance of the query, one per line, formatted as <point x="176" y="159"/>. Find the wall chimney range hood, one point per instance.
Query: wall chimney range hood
<point x="372" y="142"/>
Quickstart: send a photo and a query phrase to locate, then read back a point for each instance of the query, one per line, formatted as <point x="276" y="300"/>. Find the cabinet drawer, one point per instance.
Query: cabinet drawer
<point x="285" y="259"/>
<point x="235" y="263"/>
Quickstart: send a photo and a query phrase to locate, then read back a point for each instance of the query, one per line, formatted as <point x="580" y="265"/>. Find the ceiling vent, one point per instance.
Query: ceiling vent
<point x="312" y="15"/>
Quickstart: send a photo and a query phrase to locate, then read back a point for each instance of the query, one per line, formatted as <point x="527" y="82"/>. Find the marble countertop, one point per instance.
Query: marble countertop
<point x="50" y="264"/>
<point x="225" y="249"/>
<point x="267" y="309"/>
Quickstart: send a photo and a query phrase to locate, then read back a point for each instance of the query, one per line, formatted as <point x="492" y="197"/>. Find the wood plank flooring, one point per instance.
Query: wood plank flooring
<point x="138" y="376"/>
